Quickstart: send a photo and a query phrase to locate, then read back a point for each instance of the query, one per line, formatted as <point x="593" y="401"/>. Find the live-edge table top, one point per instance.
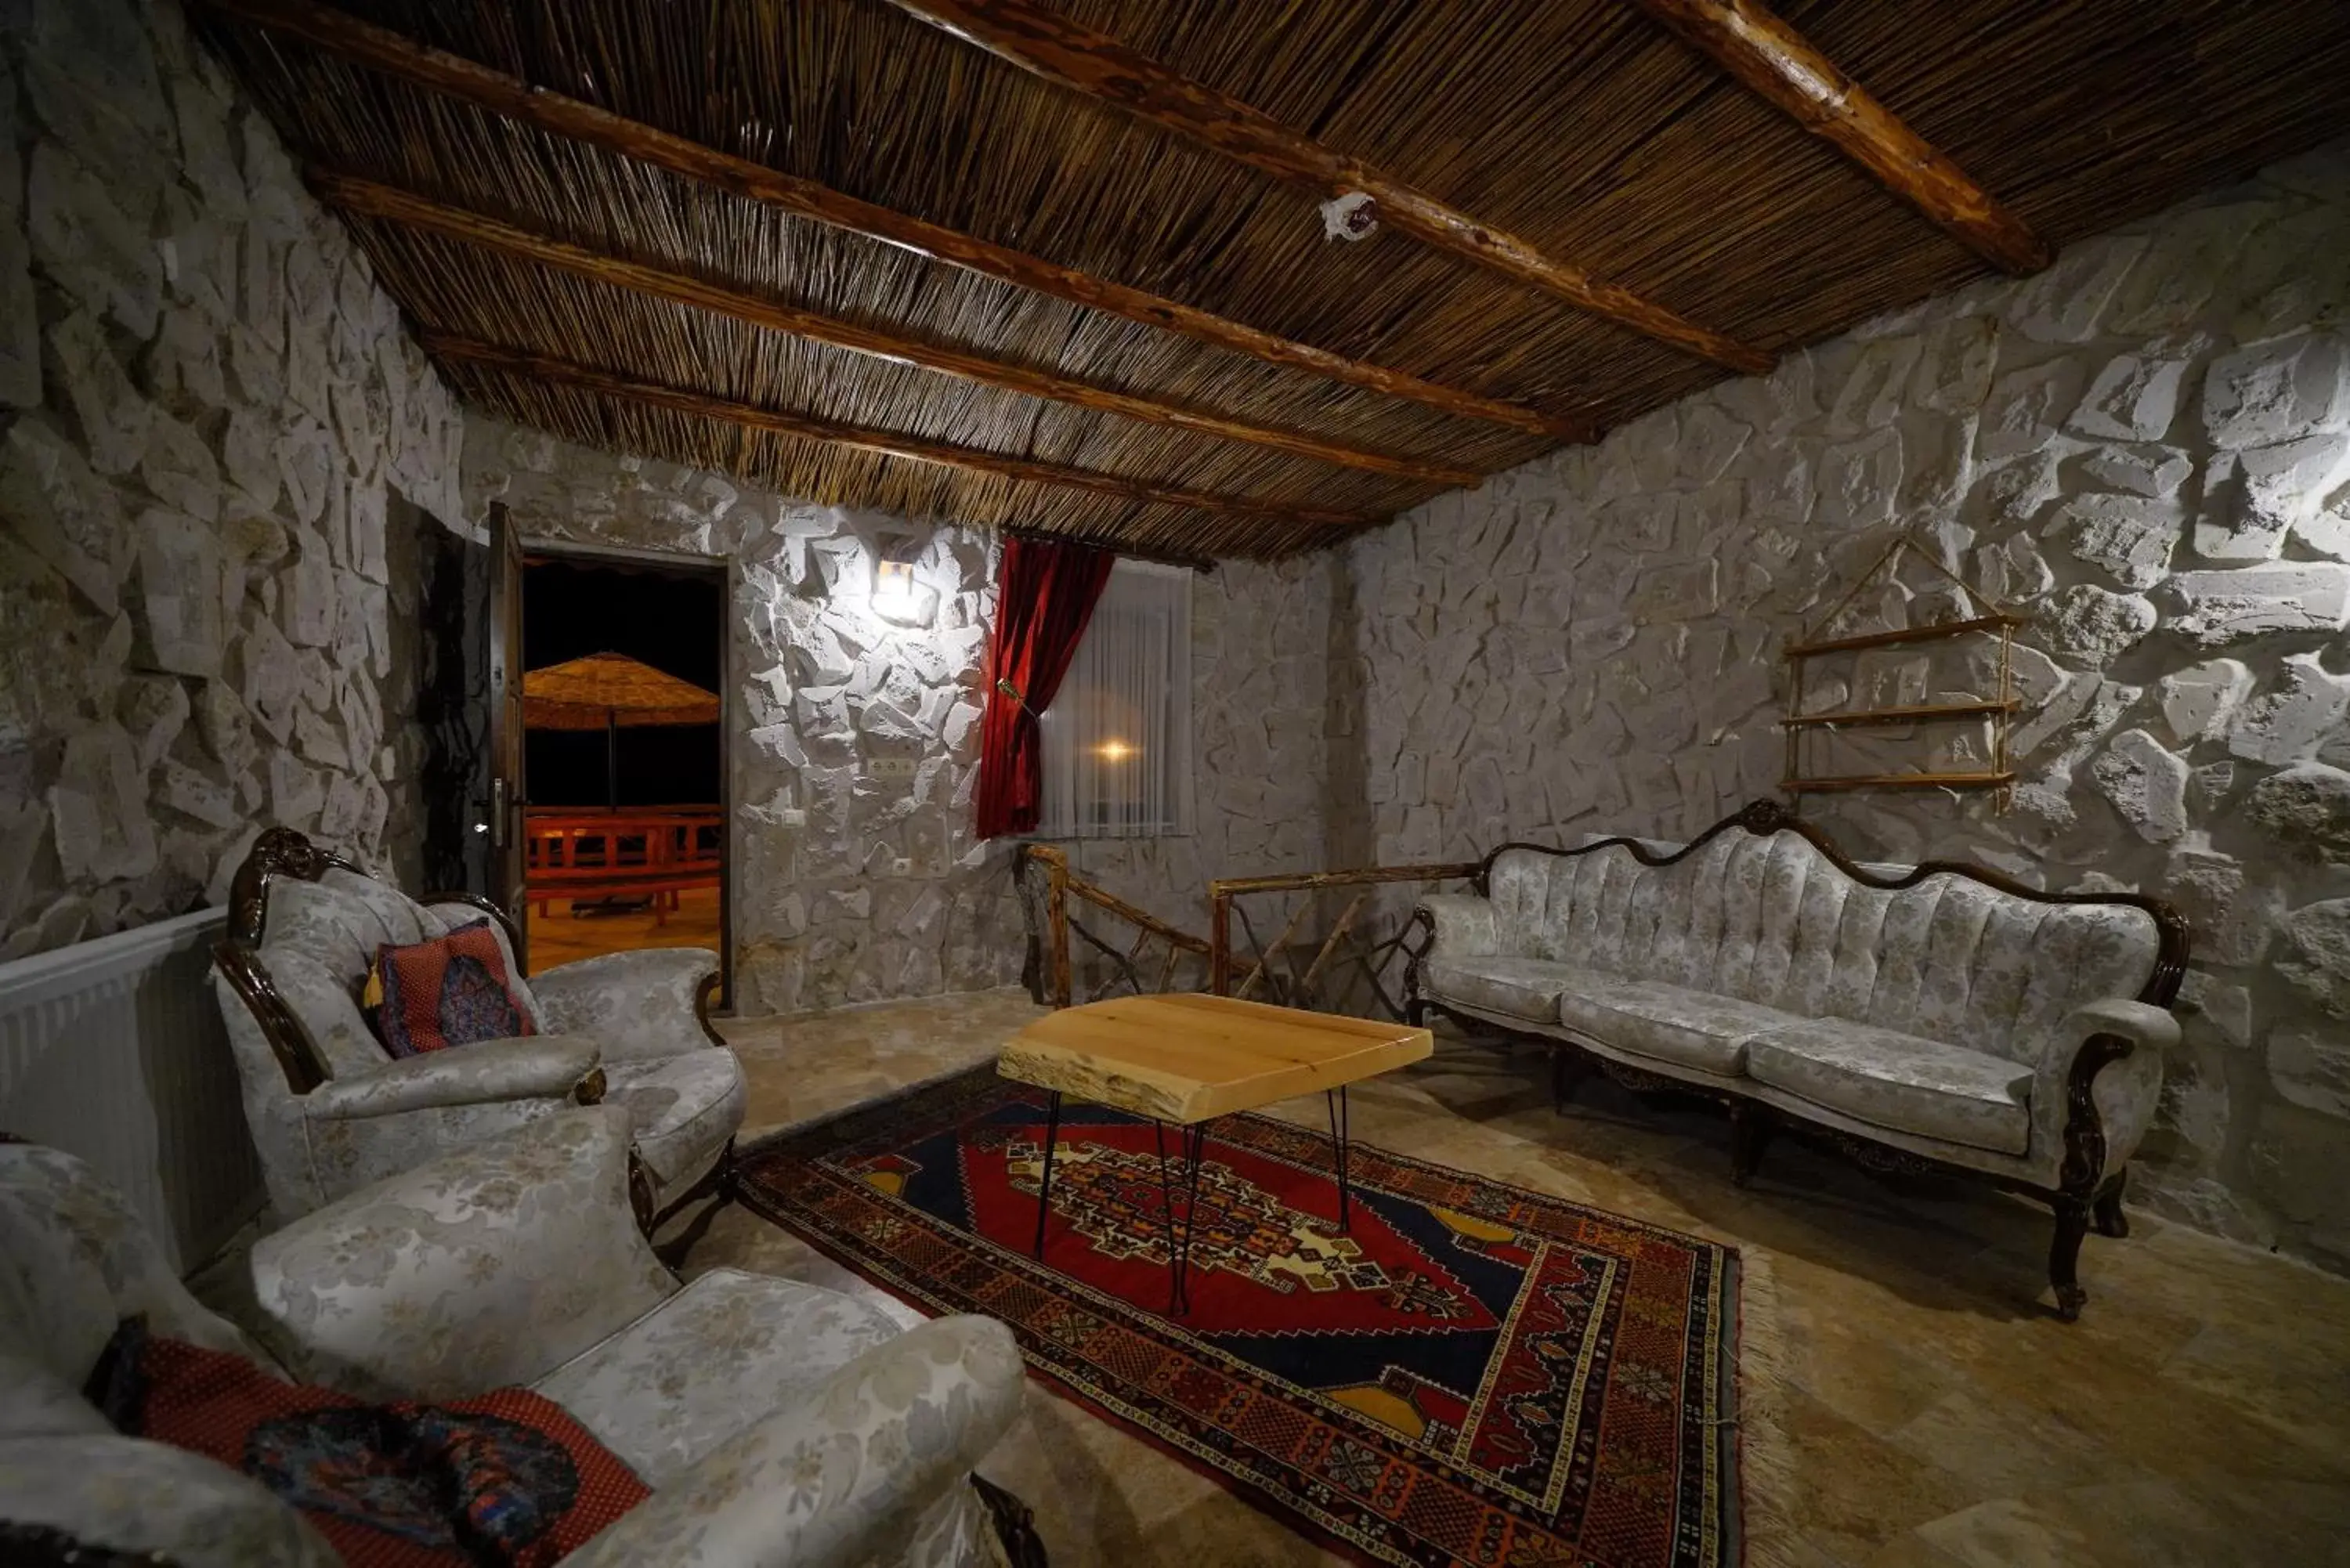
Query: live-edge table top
<point x="1186" y="1058"/>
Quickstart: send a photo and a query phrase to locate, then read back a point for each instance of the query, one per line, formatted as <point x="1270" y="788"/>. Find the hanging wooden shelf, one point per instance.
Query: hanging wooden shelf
<point x="1902" y="715"/>
<point x="2000" y="708"/>
<point x="1898" y="781"/>
<point x="1905" y="634"/>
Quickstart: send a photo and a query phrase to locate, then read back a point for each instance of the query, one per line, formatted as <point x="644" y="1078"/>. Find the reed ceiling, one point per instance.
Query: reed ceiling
<point x="1584" y="126"/>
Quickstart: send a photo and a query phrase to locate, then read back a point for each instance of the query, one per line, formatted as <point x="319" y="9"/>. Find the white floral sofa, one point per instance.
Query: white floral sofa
<point x="330" y="1110"/>
<point x="775" y="1422"/>
<point x="1935" y="1016"/>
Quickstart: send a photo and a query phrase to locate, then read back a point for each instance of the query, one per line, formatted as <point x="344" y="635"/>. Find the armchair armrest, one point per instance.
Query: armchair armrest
<point x="2099" y="1082"/>
<point x="492" y="1264"/>
<point x="1461" y="924"/>
<point x="842" y="1476"/>
<point x="2141" y="1024"/>
<point x="532" y="1066"/>
<point x="642" y="1005"/>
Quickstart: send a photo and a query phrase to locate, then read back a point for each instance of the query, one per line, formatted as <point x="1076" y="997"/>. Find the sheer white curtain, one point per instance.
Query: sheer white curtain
<point x="1117" y="738"/>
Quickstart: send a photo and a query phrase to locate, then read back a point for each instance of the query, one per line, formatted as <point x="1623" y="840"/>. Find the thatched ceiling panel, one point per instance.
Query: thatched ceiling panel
<point x="1579" y="124"/>
<point x="472" y="159"/>
<point x="831" y="476"/>
<point x="454" y="289"/>
<point x="2083" y="113"/>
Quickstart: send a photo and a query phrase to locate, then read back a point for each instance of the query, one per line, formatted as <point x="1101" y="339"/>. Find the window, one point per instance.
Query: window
<point x="1117" y="738"/>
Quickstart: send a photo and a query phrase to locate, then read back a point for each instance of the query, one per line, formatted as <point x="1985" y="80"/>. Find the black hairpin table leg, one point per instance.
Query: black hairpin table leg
<point x="1045" y="1187"/>
<point x="1167" y="1199"/>
<point x="1193" y="1140"/>
<point x="1335" y="1100"/>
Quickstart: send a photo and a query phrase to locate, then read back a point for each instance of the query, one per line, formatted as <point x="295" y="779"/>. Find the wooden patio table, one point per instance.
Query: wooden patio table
<point x="1187" y="1059"/>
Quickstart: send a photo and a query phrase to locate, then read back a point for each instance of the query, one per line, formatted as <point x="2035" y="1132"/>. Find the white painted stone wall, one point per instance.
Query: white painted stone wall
<point x="205" y="402"/>
<point x="821" y="686"/>
<point x="2147" y="448"/>
<point x="847" y="887"/>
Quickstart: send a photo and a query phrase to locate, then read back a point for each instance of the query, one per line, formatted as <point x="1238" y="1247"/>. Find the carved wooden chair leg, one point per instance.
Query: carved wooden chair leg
<point x="2107" y="1212"/>
<point x="1750" y="1134"/>
<point x="1015" y="1522"/>
<point x="640" y="1195"/>
<point x="2065" y="1256"/>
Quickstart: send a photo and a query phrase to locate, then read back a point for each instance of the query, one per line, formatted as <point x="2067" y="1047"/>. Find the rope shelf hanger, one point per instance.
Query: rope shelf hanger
<point x="1989" y="618"/>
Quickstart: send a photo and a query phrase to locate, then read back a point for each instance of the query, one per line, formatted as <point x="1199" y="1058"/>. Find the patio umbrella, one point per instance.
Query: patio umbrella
<point x="609" y="692"/>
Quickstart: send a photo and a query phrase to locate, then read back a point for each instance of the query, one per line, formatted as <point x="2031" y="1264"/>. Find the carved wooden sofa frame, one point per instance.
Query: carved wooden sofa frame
<point x="2086" y="1194"/>
<point x="285" y="852"/>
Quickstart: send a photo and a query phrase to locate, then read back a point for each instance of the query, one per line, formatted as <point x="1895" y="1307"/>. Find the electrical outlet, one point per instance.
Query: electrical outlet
<point x="791" y="816"/>
<point x="890" y="768"/>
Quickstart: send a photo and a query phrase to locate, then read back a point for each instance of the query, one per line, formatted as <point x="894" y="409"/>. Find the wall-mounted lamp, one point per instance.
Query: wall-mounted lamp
<point x="897" y="597"/>
<point x="893" y="587"/>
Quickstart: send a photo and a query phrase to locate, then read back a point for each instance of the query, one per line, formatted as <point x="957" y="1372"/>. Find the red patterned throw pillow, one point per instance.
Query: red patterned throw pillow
<point x="507" y="1477"/>
<point x="449" y="991"/>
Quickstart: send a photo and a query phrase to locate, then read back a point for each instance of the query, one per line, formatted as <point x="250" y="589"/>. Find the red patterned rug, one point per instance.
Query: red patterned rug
<point x="1470" y="1373"/>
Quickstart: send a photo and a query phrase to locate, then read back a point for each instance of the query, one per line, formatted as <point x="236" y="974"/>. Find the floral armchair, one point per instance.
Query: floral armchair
<point x="775" y="1422"/>
<point x="331" y="1110"/>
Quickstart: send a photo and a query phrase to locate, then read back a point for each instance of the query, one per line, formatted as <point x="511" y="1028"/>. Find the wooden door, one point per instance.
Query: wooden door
<point x="507" y="795"/>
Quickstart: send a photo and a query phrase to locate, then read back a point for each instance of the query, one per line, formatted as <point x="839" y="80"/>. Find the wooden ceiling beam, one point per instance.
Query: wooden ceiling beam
<point x="832" y="433"/>
<point x="1780" y="65"/>
<point x="395" y="55"/>
<point x="1100" y="68"/>
<point x="406" y="209"/>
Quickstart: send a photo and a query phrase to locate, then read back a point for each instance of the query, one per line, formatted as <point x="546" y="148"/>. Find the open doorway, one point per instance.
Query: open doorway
<point x="624" y="757"/>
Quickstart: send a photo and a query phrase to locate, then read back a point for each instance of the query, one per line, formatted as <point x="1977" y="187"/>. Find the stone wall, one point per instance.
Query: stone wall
<point x="846" y="887"/>
<point x="2144" y="447"/>
<point x="851" y="887"/>
<point x="206" y="405"/>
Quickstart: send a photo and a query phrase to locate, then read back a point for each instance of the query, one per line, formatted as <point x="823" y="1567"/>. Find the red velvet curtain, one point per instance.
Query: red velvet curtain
<point x="1043" y="599"/>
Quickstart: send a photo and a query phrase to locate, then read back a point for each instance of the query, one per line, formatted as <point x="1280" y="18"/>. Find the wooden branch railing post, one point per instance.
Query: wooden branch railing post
<point x="1057" y="920"/>
<point x="1220" y="939"/>
<point x="1223" y="892"/>
<point x="1062" y="887"/>
<point x="1288" y="984"/>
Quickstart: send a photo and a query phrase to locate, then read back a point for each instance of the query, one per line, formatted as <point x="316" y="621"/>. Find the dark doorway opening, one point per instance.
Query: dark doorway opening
<point x="625" y="774"/>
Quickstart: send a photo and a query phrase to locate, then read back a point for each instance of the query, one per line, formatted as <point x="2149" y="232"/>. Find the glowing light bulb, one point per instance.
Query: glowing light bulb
<point x="893" y="587"/>
<point x="1113" y="751"/>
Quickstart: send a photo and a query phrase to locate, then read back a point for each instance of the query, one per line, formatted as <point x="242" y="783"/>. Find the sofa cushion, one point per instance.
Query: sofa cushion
<point x="1521" y="987"/>
<point x="444" y="991"/>
<point x="1900" y="1081"/>
<point x="1670" y="1022"/>
<point x="709" y="1362"/>
<point x="506" y="1475"/>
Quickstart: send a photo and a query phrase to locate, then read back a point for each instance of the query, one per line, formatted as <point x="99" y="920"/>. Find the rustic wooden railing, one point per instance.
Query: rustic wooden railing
<point x="1351" y="951"/>
<point x="580" y="853"/>
<point x="1047" y="888"/>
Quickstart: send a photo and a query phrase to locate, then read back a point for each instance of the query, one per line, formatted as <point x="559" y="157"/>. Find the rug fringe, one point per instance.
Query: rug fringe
<point x="1766" y="1453"/>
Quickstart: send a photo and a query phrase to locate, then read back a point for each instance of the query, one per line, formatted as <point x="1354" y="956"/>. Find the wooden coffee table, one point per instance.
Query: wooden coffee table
<point x="1187" y="1059"/>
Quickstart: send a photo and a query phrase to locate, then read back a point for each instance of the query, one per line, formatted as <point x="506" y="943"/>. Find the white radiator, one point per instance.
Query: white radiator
<point x="113" y="1050"/>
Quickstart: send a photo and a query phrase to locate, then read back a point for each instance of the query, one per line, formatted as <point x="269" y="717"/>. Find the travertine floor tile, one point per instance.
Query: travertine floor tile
<point x="1935" y="1413"/>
